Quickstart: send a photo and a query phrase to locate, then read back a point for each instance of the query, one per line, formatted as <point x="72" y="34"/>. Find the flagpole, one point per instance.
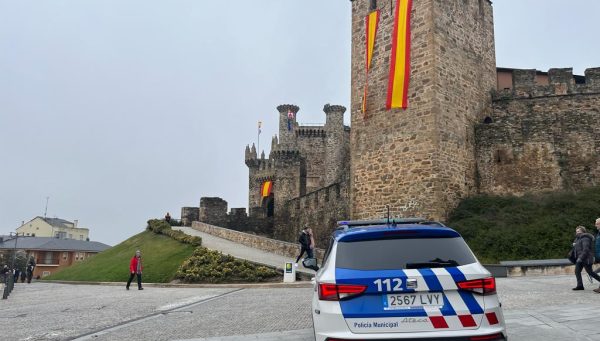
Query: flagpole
<point x="258" y="140"/>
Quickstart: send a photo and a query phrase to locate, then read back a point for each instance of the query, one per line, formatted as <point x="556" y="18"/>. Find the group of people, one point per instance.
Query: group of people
<point x="585" y="252"/>
<point x="17" y="274"/>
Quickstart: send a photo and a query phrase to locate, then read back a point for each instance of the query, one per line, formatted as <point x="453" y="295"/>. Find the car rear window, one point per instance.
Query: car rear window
<point x="385" y="254"/>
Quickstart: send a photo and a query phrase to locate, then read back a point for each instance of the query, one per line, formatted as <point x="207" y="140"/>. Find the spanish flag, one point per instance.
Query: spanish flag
<point x="400" y="60"/>
<point x="265" y="189"/>
<point x="371" y="25"/>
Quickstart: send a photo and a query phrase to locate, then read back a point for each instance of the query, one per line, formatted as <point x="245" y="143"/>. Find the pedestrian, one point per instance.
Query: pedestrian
<point x="584" y="255"/>
<point x="16" y="274"/>
<point x="597" y="245"/>
<point x="168" y="217"/>
<point x="306" y="243"/>
<point x="135" y="269"/>
<point x="4" y="272"/>
<point x="30" y="268"/>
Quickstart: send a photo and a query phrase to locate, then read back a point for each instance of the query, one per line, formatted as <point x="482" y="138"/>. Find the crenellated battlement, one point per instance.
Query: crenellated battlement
<point x="315" y="200"/>
<point x="561" y="82"/>
<point x="311" y="131"/>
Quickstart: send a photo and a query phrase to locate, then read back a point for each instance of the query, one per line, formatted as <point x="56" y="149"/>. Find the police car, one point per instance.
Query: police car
<point x="403" y="279"/>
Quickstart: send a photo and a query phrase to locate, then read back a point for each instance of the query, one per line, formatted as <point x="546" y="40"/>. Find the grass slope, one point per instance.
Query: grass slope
<point x="161" y="256"/>
<point x="530" y="227"/>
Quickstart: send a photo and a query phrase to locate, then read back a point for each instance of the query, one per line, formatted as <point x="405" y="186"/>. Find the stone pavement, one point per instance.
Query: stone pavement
<point x="242" y="251"/>
<point x="535" y="308"/>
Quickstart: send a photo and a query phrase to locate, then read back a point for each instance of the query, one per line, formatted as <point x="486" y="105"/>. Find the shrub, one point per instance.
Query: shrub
<point x="207" y="266"/>
<point x="530" y="227"/>
<point x="162" y="227"/>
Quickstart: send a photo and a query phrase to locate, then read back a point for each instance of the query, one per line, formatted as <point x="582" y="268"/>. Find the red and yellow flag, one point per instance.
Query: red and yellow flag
<point x="371" y="25"/>
<point x="400" y="60"/>
<point x="265" y="189"/>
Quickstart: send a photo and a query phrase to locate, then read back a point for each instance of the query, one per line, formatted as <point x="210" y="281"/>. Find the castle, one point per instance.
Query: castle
<point x="469" y="128"/>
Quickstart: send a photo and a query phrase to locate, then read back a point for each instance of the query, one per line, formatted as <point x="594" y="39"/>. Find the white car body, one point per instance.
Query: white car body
<point x="448" y="312"/>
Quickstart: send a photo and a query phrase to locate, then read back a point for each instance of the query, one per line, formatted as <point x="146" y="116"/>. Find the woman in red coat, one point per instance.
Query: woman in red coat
<point x="135" y="268"/>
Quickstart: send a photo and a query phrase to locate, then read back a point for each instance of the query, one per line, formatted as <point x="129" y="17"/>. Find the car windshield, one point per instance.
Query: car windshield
<point x="411" y="253"/>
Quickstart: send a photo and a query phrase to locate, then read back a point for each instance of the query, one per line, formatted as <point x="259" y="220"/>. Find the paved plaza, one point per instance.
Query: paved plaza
<point x="536" y="308"/>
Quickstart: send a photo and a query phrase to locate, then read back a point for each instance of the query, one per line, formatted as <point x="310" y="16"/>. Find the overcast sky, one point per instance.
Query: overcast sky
<point x="120" y="111"/>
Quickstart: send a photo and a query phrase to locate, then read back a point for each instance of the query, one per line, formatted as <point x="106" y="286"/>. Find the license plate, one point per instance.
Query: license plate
<point x="408" y="301"/>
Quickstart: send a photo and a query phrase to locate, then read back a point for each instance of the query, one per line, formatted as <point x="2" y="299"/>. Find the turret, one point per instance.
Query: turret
<point x="250" y="156"/>
<point x="336" y="149"/>
<point x="287" y="125"/>
<point x="274" y="143"/>
<point x="334" y="116"/>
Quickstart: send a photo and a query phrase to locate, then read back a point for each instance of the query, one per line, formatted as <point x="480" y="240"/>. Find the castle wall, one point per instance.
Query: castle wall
<point x="541" y="138"/>
<point x="465" y="75"/>
<point x="311" y="143"/>
<point x="189" y="214"/>
<point x="320" y="210"/>
<point x="421" y="160"/>
<point x="213" y="211"/>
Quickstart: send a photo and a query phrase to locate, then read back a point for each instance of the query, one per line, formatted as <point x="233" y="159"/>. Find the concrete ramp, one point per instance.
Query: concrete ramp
<point x="241" y="251"/>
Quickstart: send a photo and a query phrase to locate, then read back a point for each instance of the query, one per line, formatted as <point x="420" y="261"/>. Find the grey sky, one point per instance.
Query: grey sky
<point x="120" y="111"/>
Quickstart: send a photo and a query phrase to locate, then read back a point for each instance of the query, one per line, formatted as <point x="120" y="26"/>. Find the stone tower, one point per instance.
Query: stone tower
<point x="421" y="161"/>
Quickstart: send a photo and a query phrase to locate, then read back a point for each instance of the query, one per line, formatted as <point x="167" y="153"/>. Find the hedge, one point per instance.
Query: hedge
<point x="162" y="227"/>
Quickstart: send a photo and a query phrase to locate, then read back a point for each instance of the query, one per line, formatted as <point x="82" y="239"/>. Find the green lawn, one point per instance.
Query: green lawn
<point x="161" y="256"/>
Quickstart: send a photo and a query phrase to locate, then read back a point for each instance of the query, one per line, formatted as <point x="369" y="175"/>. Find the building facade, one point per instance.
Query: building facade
<point x="51" y="254"/>
<point x="53" y="227"/>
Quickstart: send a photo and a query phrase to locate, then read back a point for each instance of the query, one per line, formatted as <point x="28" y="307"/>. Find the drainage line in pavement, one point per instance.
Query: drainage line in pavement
<point x="149" y="316"/>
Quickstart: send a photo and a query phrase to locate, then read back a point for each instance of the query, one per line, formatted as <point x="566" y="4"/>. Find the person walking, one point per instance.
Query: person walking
<point x="306" y="243"/>
<point x="30" y="268"/>
<point x="135" y="269"/>
<point x="584" y="255"/>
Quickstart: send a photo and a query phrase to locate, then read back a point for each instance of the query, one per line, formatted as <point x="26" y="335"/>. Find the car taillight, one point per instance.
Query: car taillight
<point x="337" y="292"/>
<point x="484" y="286"/>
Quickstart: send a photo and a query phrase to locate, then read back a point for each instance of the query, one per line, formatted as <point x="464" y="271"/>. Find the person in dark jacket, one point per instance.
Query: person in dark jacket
<point x="584" y="253"/>
<point x="30" y="268"/>
<point x="597" y="244"/>
<point x="305" y="243"/>
<point x="135" y="269"/>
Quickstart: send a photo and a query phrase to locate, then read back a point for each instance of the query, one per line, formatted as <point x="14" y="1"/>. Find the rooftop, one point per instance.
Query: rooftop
<point x="51" y="244"/>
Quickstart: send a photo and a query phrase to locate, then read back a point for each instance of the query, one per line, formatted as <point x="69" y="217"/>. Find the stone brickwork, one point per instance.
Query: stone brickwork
<point x="189" y="215"/>
<point x="420" y="161"/>
<point x="541" y="138"/>
<point x="213" y="211"/>
<point x="320" y="210"/>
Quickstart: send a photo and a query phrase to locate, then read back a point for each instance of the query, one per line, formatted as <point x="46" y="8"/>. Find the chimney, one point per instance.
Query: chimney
<point x="22" y="222"/>
<point x="75" y="222"/>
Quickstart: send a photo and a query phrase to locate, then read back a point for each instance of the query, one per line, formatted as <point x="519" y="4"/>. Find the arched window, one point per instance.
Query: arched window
<point x="488" y="120"/>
